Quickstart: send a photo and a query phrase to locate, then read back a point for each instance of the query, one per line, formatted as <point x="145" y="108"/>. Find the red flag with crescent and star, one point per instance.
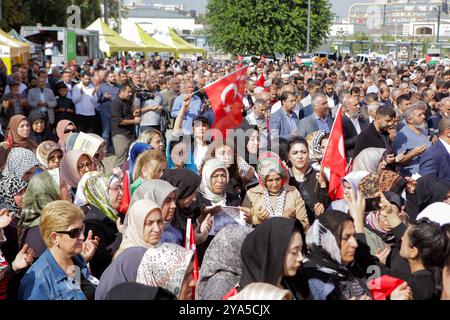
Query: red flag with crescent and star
<point x="226" y="97"/>
<point x="334" y="161"/>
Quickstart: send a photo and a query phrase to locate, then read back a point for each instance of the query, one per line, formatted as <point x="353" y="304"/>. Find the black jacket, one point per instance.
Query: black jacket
<point x="350" y="133"/>
<point x="110" y="238"/>
<point x="311" y="192"/>
<point x="372" y="138"/>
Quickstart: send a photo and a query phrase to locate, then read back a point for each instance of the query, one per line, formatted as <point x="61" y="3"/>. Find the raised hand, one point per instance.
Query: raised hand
<point x="90" y="246"/>
<point x="318" y="209"/>
<point x="24" y="258"/>
<point x="383" y="254"/>
<point x="5" y="219"/>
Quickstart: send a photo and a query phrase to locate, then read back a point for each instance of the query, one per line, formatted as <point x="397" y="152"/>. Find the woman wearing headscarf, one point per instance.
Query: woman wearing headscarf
<point x="19" y="133"/>
<point x="21" y="163"/>
<point x="329" y="266"/>
<point x="273" y="197"/>
<point x="221" y="268"/>
<point x="311" y="185"/>
<point x="163" y="194"/>
<point x="381" y="181"/>
<point x="212" y="195"/>
<point x="349" y="182"/>
<point x="137" y="291"/>
<point x="123" y="269"/>
<point x="187" y="182"/>
<point x="145" y="226"/>
<point x="42" y="189"/>
<point x="74" y="165"/>
<point x="272" y="253"/>
<point x="102" y="198"/>
<point x="49" y="154"/>
<point x="12" y="190"/>
<point x="317" y="142"/>
<point x="39" y="131"/>
<point x="369" y="159"/>
<point x="427" y="191"/>
<point x="168" y="266"/>
<point x="63" y="129"/>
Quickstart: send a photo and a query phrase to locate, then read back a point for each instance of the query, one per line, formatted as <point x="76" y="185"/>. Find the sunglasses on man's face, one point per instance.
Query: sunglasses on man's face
<point x="70" y="130"/>
<point x="73" y="233"/>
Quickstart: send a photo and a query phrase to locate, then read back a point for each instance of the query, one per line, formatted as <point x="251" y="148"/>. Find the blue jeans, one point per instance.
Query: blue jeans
<point x="105" y="117"/>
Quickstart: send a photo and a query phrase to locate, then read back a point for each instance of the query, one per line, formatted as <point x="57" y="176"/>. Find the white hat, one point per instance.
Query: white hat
<point x="267" y="83"/>
<point x="372" y="89"/>
<point x="284" y="76"/>
<point x="294" y="72"/>
<point x="389" y="82"/>
<point x="438" y="212"/>
<point x="258" y="89"/>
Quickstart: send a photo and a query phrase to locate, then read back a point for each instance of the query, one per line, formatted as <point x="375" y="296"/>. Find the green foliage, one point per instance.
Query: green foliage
<point x="266" y="26"/>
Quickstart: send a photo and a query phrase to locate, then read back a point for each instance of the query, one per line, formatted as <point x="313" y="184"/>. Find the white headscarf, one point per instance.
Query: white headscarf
<point x="438" y="212"/>
<point x="368" y="159"/>
<point x="209" y="168"/>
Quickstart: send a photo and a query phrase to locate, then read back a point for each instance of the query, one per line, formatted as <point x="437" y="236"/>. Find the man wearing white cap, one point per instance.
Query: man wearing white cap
<point x="285" y="78"/>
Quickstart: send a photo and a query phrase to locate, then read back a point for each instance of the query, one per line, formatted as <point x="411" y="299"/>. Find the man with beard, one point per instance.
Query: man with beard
<point x="412" y="139"/>
<point x="107" y="93"/>
<point x="352" y="123"/>
<point x="377" y="133"/>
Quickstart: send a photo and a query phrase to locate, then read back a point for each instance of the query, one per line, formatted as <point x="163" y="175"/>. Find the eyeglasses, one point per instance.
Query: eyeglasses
<point x="73" y="233"/>
<point x="85" y="165"/>
<point x="53" y="158"/>
<point x="70" y="130"/>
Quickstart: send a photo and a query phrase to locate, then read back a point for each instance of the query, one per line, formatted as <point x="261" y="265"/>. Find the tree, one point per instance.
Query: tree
<point x="266" y="26"/>
<point x="13" y="18"/>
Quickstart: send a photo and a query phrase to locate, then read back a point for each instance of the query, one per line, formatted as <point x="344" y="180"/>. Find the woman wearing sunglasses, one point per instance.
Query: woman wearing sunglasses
<point x="61" y="273"/>
<point x="49" y="154"/>
<point x="73" y="166"/>
<point x="63" y="129"/>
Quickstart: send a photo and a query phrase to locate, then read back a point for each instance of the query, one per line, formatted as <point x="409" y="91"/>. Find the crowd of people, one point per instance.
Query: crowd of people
<point x="75" y="226"/>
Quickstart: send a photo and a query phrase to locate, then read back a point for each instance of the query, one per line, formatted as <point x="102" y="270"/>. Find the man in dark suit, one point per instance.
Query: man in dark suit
<point x="352" y="123"/>
<point x="435" y="161"/>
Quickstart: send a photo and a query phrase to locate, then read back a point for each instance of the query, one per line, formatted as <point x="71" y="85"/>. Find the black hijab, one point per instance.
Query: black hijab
<point x="187" y="183"/>
<point x="44" y="135"/>
<point x="137" y="291"/>
<point x="264" y="250"/>
<point x="429" y="190"/>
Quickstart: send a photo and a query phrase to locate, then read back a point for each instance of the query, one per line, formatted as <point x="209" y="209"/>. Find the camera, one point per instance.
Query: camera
<point x="144" y="95"/>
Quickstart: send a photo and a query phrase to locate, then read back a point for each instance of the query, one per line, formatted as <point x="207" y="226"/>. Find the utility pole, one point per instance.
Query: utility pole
<point x="119" y="25"/>
<point x="105" y="10"/>
<point x="308" y="31"/>
<point x="439" y="23"/>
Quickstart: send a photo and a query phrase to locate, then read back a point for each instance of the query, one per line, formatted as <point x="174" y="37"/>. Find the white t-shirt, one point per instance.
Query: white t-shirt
<point x="48" y="46"/>
<point x="199" y="154"/>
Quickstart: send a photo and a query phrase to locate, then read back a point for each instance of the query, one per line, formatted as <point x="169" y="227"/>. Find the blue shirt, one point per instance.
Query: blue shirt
<point x="195" y="107"/>
<point x="172" y="235"/>
<point x="292" y="119"/>
<point x="405" y="141"/>
<point x="322" y="124"/>
<point x="113" y="91"/>
<point x="45" y="280"/>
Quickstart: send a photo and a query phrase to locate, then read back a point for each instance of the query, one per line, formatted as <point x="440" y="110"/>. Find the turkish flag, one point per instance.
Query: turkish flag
<point x="382" y="287"/>
<point x="190" y="244"/>
<point x="334" y="161"/>
<point x="261" y="81"/>
<point x="226" y="97"/>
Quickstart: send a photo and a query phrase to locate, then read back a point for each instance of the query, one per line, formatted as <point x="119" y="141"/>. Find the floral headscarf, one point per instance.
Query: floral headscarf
<point x="44" y="150"/>
<point x="165" y="267"/>
<point x="19" y="161"/>
<point x="96" y="192"/>
<point x="9" y="187"/>
<point x="381" y="181"/>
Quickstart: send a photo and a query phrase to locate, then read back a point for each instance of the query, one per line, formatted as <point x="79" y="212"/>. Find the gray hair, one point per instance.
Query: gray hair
<point x="420" y="105"/>
<point x="444" y="124"/>
<point x="316" y="97"/>
<point x="373" y="106"/>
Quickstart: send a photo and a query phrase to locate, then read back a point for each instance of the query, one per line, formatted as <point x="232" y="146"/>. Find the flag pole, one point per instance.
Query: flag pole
<point x="210" y="84"/>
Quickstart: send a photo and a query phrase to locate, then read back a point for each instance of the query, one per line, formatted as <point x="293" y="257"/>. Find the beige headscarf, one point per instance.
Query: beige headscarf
<point x="165" y="267"/>
<point x="368" y="159"/>
<point x="134" y="234"/>
<point x="262" y="291"/>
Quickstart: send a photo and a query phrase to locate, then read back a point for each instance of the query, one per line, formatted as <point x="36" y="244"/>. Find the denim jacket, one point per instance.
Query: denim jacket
<point x="45" y="280"/>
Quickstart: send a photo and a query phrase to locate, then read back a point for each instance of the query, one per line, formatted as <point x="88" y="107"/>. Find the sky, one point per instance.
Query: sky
<point x="340" y="7"/>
